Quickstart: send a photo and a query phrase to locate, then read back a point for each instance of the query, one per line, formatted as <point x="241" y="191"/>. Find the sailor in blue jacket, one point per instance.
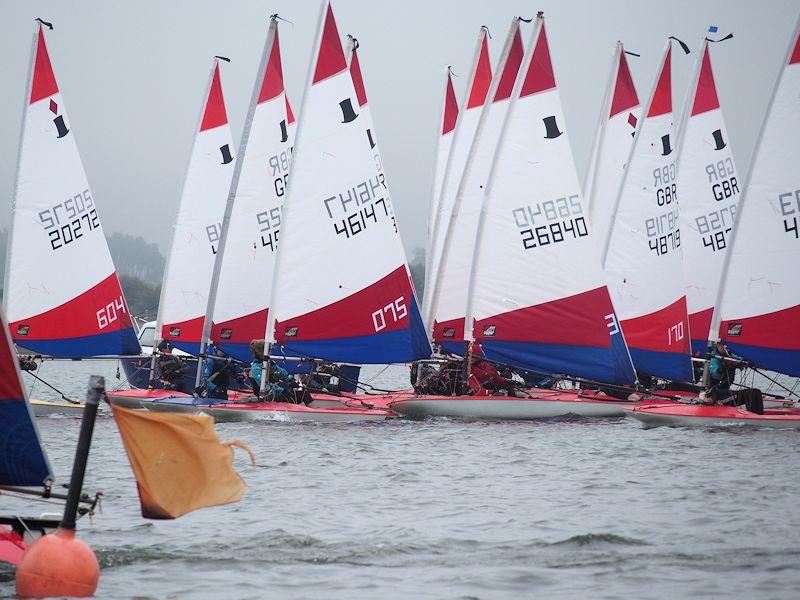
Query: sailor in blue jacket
<point x="722" y="367"/>
<point x="219" y="372"/>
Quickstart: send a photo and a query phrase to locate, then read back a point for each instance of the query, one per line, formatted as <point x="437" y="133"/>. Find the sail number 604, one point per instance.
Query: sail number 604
<point x="110" y="312"/>
<point x="391" y="313"/>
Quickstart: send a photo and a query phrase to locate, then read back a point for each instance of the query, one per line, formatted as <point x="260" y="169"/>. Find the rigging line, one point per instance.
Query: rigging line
<point x="55" y="389"/>
<point x="780" y="385"/>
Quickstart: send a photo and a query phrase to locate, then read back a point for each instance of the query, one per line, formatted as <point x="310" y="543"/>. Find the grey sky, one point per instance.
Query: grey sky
<point x="132" y="75"/>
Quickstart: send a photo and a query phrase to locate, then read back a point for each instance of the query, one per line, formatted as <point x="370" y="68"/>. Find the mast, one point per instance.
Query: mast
<point x="226" y="219"/>
<point x="457" y="134"/>
<point x="159" y="315"/>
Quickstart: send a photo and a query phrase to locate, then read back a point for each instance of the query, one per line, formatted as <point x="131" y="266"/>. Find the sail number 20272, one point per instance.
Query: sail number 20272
<point x="391" y="313"/>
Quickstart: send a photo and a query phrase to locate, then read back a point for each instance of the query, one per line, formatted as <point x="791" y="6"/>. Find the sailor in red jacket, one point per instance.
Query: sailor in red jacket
<point x="484" y="379"/>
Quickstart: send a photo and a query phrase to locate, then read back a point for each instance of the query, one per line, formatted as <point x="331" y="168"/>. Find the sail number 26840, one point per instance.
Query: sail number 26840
<point x="391" y="313"/>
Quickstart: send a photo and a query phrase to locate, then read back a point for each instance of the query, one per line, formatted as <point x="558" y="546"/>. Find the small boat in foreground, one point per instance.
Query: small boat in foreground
<point x="680" y="415"/>
<point x="45" y="408"/>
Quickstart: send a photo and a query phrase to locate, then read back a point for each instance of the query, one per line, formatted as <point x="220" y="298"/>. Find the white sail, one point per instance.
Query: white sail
<point x="62" y="294"/>
<point x="448" y="301"/>
<point x="612" y="147"/>
<point x="537" y="292"/>
<point x="241" y="296"/>
<point x="444" y="143"/>
<point x="466" y="124"/>
<point x="709" y="187"/>
<point x="341" y="289"/>
<point x="760" y="298"/>
<point x="642" y="255"/>
<point x="198" y="224"/>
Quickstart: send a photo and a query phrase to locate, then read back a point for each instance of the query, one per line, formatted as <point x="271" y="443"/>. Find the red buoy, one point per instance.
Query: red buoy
<point x="57" y="565"/>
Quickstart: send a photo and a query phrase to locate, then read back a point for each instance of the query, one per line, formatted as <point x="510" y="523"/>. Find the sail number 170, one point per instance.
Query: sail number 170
<point x="391" y="313"/>
<point x="675" y="333"/>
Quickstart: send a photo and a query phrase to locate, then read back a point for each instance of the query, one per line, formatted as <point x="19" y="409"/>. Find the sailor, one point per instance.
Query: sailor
<point x="219" y="372"/>
<point x="447" y="380"/>
<point x="170" y="367"/>
<point x="485" y="377"/>
<point x="722" y="368"/>
<point x="280" y="385"/>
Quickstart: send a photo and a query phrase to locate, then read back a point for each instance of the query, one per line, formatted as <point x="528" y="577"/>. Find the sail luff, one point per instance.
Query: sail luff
<point x="474" y="144"/>
<point x="427" y="311"/>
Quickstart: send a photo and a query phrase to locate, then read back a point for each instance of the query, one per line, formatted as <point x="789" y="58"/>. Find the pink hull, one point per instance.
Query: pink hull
<point x="705" y="415"/>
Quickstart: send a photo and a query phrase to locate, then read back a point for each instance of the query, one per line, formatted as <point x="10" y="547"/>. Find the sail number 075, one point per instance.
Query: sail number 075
<point x="391" y="313"/>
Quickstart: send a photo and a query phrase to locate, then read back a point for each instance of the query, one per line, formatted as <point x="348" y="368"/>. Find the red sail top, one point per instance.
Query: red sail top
<point x="483" y="76"/>
<point x="662" y="97"/>
<point x="215" y="114"/>
<point x="358" y="81"/>
<point x="705" y="97"/>
<point x="44" y="80"/>
<point x="289" y="113"/>
<point x="450" y="107"/>
<point x="272" y="86"/>
<point x="625" y="96"/>
<point x="539" y="77"/>
<point x="795" y="57"/>
<point x="330" y="60"/>
<point x="510" y="69"/>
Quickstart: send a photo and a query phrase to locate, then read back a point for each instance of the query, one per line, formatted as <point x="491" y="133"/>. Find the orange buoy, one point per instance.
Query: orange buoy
<point x="57" y="565"/>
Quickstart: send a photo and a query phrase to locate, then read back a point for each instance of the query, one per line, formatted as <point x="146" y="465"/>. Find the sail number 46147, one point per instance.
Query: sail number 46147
<point x="391" y="313"/>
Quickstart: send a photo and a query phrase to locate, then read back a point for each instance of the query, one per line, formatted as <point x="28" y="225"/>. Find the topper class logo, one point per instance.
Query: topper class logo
<point x="226" y="154"/>
<point x="348" y="114"/>
<point x="449" y="332"/>
<point x="23" y="329"/>
<point x="61" y="127"/>
<point x="284" y="132"/>
<point x="290" y="332"/>
<point x="226" y="334"/>
<point x="735" y="329"/>
<point x="175" y="331"/>
<point x="489" y="330"/>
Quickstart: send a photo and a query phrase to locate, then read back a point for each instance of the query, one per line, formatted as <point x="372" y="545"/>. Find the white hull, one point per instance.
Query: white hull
<point x="45" y="408"/>
<point x="507" y="408"/>
<point x="650" y="420"/>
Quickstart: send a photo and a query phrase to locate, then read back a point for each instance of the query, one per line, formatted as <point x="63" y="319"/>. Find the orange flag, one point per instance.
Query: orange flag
<point x="178" y="461"/>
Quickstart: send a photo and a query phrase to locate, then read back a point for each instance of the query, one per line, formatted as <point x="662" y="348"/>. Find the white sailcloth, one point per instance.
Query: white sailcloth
<point x="341" y="289"/>
<point x="612" y="147"/>
<point x="241" y="297"/>
<point x="709" y="187"/>
<point x="537" y="292"/>
<point x="62" y="294"/>
<point x="448" y="301"/>
<point x="642" y="256"/>
<point x="466" y="124"/>
<point x="760" y="296"/>
<point x="198" y="224"/>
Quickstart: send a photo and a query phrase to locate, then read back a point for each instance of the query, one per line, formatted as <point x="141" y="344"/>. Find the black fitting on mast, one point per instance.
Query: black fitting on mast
<point x="684" y="47"/>
<point x="45" y="23"/>
<point x="354" y="41"/>
<point x="225" y="58"/>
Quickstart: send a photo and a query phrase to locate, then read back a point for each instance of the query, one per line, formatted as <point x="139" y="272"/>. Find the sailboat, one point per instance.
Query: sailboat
<point x="757" y="306"/>
<point x="466" y="123"/>
<point x="613" y="140"/>
<point x="266" y="140"/>
<point x="642" y="253"/>
<point x="537" y="297"/>
<point x="444" y="142"/>
<point x="62" y="294"/>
